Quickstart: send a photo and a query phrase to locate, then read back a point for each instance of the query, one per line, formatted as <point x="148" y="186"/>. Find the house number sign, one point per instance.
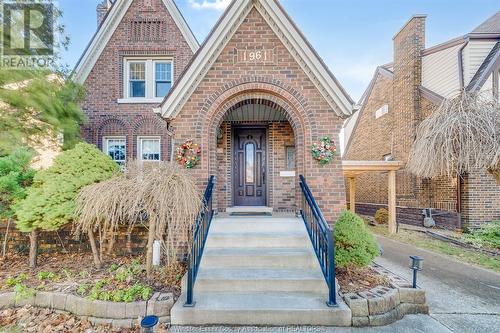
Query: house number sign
<point x="257" y="56"/>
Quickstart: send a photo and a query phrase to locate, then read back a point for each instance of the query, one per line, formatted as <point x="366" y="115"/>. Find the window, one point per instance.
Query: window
<point x="149" y="149"/>
<point x="146" y="80"/>
<point x="137" y="79"/>
<point x="383" y="110"/>
<point x="115" y="147"/>
<point x="163" y="78"/>
<point x="290" y="158"/>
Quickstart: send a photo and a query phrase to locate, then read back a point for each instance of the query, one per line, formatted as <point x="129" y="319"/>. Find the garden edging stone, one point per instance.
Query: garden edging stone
<point x="118" y="315"/>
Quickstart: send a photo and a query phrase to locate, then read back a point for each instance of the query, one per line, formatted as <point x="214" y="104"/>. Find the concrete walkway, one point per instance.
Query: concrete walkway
<point x="462" y="297"/>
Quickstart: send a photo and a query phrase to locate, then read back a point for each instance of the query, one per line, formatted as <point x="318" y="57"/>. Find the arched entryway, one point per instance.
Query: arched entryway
<point x="256" y="149"/>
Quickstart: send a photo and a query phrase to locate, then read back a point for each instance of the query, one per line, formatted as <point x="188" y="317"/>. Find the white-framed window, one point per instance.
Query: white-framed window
<point x="149" y="148"/>
<point x="146" y="80"/>
<point x="116" y="148"/>
<point x="383" y="110"/>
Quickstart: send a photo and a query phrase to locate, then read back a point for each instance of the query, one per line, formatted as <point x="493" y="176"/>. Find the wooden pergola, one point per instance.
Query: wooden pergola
<point x="352" y="169"/>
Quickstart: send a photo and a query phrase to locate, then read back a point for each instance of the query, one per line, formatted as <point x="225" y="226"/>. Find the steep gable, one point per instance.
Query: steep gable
<point x="292" y="39"/>
<point x="115" y="20"/>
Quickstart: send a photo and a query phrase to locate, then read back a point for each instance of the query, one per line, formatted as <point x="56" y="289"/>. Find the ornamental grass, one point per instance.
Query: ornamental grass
<point x="160" y="195"/>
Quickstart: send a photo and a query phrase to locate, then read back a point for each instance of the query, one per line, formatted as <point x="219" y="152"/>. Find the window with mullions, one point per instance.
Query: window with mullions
<point x="137" y="79"/>
<point x="149" y="149"/>
<point x="163" y="78"/>
<point x="116" y="149"/>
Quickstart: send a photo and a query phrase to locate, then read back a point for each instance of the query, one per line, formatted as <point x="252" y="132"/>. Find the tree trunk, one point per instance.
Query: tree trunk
<point x="33" y="249"/>
<point x="149" y="253"/>
<point x="95" y="252"/>
<point x="4" y="249"/>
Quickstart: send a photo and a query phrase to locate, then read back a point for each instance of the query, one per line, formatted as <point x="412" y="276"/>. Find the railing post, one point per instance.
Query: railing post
<point x="189" y="299"/>
<point x="332" y="295"/>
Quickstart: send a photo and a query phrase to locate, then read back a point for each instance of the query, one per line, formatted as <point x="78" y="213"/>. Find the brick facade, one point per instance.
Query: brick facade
<point x="104" y="85"/>
<point x="394" y="132"/>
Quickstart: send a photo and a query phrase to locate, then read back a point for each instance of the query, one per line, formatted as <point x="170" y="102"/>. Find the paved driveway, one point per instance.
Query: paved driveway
<point x="462" y="297"/>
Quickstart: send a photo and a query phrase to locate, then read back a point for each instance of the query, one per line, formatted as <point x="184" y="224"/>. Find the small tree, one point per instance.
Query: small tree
<point x="161" y="195"/>
<point x="15" y="176"/>
<point x="461" y="136"/>
<point x="50" y="202"/>
<point x="354" y="244"/>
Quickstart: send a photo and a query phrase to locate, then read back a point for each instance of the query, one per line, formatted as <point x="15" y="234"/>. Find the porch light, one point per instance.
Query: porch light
<point x="416" y="265"/>
<point x="148" y="323"/>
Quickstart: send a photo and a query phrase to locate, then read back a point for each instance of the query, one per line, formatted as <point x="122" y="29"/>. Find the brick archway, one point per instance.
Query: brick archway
<point x="213" y="116"/>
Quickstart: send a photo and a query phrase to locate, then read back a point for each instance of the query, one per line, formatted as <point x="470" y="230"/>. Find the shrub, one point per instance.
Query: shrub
<point x="50" y="202"/>
<point x="382" y="216"/>
<point x="487" y="235"/>
<point x="354" y="244"/>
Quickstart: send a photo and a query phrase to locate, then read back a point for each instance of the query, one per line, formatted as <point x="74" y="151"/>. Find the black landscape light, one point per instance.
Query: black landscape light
<point x="148" y="323"/>
<point x="416" y="265"/>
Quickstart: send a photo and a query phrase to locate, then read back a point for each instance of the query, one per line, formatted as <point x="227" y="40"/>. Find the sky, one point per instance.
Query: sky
<point x="352" y="36"/>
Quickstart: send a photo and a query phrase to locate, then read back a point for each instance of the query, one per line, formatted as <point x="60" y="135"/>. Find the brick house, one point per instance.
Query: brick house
<point x="254" y="96"/>
<point x="403" y="93"/>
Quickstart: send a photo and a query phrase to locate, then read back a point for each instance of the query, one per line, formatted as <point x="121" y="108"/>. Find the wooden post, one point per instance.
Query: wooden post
<point x="352" y="194"/>
<point x="392" y="202"/>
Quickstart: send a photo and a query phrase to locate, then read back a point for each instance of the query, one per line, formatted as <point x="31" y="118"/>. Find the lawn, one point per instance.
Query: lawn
<point x="423" y="241"/>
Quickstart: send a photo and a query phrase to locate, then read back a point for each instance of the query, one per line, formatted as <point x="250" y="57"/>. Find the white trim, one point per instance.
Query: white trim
<point x="286" y="32"/>
<point x="287" y="173"/>
<point x="139" y="146"/>
<point x="108" y="27"/>
<point x="149" y="76"/>
<point x="105" y="144"/>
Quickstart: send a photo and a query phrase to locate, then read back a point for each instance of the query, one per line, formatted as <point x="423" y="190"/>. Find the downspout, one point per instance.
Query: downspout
<point x="461" y="64"/>
<point x="459" y="200"/>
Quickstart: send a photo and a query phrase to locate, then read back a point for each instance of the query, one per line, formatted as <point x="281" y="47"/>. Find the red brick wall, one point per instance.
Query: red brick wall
<point x="105" y="83"/>
<point x="283" y="83"/>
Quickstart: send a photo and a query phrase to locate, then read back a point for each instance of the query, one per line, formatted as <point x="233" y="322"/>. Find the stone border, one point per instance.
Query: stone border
<point x="118" y="315"/>
<point x="383" y="305"/>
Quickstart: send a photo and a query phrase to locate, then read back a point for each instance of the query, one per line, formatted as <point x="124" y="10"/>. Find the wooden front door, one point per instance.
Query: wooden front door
<point x="249" y="166"/>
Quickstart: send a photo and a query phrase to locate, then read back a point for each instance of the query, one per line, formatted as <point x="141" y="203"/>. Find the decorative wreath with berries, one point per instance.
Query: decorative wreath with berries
<point x="188" y="154"/>
<point x="324" y="150"/>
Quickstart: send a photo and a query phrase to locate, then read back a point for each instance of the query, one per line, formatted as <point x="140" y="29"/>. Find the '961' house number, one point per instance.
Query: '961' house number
<point x="256" y="56"/>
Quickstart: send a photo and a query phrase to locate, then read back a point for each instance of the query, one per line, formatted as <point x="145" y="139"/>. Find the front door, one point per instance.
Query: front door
<point x="249" y="166"/>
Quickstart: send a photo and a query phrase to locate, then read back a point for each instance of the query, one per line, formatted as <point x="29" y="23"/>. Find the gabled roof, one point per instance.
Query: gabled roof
<point x="490" y="26"/>
<point x="290" y="36"/>
<point x="108" y="27"/>
<point x="382" y="71"/>
<point x="491" y="63"/>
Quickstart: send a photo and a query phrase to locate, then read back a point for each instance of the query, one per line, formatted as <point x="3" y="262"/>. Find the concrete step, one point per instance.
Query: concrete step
<point x="249" y="210"/>
<point x="261" y="309"/>
<point x="258" y="240"/>
<point x="259" y="258"/>
<point x="256" y="225"/>
<point x="239" y="280"/>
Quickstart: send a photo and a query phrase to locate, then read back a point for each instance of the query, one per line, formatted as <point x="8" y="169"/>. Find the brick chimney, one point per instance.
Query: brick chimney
<point x="409" y="43"/>
<point x="102" y="10"/>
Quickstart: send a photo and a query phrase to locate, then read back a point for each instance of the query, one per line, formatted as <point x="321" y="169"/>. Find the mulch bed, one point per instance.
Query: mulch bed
<point x="354" y="279"/>
<point x="75" y="269"/>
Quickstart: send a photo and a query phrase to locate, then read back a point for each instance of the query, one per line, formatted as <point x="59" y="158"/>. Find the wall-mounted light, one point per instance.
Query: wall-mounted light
<point x="416" y="265"/>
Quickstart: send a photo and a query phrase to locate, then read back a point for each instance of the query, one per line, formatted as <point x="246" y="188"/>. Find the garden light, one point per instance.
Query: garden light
<point x="148" y="323"/>
<point x="416" y="265"/>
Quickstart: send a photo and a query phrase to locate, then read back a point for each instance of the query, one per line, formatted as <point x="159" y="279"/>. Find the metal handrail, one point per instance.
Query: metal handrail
<point x="200" y="233"/>
<point x="322" y="239"/>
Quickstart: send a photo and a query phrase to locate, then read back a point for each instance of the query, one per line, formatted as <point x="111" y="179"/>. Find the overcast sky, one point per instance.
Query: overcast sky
<point x="352" y="36"/>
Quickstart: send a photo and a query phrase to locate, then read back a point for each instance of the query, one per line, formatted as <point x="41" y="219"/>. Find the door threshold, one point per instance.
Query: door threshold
<point x="249" y="210"/>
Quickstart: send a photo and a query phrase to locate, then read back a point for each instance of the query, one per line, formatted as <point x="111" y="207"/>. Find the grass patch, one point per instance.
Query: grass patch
<point x="423" y="241"/>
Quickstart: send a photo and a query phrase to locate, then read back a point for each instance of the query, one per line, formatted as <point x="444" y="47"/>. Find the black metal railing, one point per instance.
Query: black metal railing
<point x="322" y="238"/>
<point x="200" y="233"/>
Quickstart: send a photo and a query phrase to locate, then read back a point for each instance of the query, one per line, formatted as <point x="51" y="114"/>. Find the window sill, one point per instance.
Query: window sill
<point x="139" y="100"/>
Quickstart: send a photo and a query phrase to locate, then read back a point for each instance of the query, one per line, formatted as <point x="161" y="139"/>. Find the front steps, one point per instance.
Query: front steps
<point x="259" y="271"/>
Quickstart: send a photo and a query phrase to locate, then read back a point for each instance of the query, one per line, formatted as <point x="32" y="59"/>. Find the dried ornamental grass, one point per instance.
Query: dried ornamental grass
<point x="161" y="195"/>
<point x="462" y="135"/>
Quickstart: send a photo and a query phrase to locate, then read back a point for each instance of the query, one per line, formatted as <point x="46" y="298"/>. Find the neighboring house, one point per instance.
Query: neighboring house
<point x="400" y="95"/>
<point x="254" y="96"/>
